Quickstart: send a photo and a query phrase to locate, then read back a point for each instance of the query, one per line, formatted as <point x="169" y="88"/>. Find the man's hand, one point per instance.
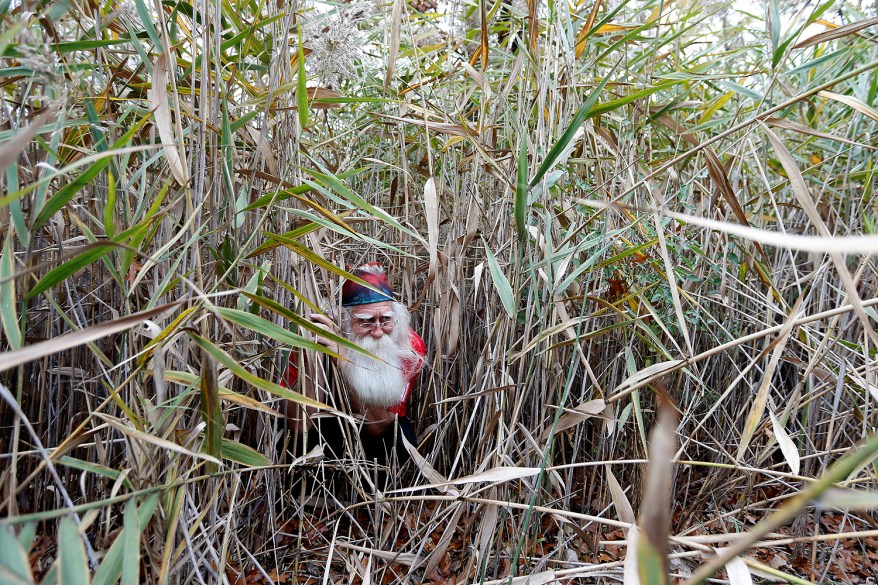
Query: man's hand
<point x="326" y="324"/>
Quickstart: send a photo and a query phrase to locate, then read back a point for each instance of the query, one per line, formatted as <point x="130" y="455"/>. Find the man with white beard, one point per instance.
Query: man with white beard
<point x="379" y="390"/>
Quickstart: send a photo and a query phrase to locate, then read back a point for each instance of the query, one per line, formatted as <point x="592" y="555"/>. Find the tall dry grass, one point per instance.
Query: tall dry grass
<point x="557" y="193"/>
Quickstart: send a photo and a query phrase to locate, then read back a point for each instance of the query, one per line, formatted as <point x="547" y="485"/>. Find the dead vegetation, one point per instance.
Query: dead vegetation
<point x="592" y="210"/>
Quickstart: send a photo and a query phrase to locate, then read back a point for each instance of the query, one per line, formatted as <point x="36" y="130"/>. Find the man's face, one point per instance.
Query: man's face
<point x="373" y="320"/>
<point x="373" y="327"/>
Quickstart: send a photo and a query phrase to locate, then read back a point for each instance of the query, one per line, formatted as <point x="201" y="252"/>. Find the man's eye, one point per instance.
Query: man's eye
<point x="385" y="320"/>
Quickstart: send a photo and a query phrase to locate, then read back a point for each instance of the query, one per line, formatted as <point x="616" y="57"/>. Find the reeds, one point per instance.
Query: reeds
<point x="557" y="193"/>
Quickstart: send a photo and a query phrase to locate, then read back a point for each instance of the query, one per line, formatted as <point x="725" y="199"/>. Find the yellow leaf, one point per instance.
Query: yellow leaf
<point x="658" y="11"/>
<point x="589" y="23"/>
<point x="614" y="28"/>
<point x="826" y="23"/>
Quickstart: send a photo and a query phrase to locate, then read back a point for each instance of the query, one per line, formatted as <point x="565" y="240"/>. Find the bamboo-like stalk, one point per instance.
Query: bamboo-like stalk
<point x="580" y="205"/>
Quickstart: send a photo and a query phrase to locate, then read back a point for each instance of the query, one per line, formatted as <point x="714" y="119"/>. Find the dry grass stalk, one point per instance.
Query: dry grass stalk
<point x="581" y="206"/>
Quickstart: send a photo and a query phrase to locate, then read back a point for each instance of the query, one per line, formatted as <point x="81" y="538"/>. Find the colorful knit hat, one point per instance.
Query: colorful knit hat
<point x="354" y="293"/>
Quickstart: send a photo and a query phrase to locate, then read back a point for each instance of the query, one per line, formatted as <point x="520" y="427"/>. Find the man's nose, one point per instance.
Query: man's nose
<point x="377" y="332"/>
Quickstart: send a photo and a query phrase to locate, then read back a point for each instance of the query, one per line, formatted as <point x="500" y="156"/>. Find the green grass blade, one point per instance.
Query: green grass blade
<point x="110" y="569"/>
<point x="13" y="557"/>
<point x="211" y="410"/>
<point x="8" y="312"/>
<point x="296" y="192"/>
<point x="228" y="148"/>
<point x="818" y="12"/>
<point x="315" y="258"/>
<point x="110" y="207"/>
<point x="15" y="210"/>
<point x="134" y="36"/>
<point x="131" y="543"/>
<point x="333" y="182"/>
<point x="234" y="451"/>
<point x="814" y="63"/>
<point x="146" y="19"/>
<point x="740" y="89"/>
<point x="7" y="577"/>
<point x="95" y="468"/>
<point x="633" y="96"/>
<point x="778" y="53"/>
<point x="68" y="191"/>
<point x="292" y="316"/>
<point x="73" y="566"/>
<point x="581" y="115"/>
<point x="773" y="25"/>
<point x="240" y="122"/>
<point x="87" y="45"/>
<point x="301" y="89"/>
<point x="335" y="226"/>
<point x="501" y="284"/>
<point x="521" y="190"/>
<point x="269" y="329"/>
<point x="71" y="267"/>
<point x="236" y="368"/>
<point x="94" y="252"/>
<point x="587" y="265"/>
<point x="839" y="471"/>
<point x="26" y="536"/>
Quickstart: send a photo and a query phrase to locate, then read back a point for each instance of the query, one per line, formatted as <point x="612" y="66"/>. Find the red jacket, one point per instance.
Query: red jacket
<point x="410" y="368"/>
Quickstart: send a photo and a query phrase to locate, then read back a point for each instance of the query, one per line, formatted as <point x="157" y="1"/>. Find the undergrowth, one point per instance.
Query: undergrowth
<point x="592" y="209"/>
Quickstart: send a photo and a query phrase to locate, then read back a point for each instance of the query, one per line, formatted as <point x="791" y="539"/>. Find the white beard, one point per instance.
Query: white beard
<point x="376" y="383"/>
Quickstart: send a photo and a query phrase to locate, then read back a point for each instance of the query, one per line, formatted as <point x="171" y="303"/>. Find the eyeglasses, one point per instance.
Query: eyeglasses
<point x="383" y="321"/>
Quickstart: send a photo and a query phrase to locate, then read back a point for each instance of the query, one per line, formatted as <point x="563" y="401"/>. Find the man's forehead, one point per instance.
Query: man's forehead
<point x="373" y="309"/>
